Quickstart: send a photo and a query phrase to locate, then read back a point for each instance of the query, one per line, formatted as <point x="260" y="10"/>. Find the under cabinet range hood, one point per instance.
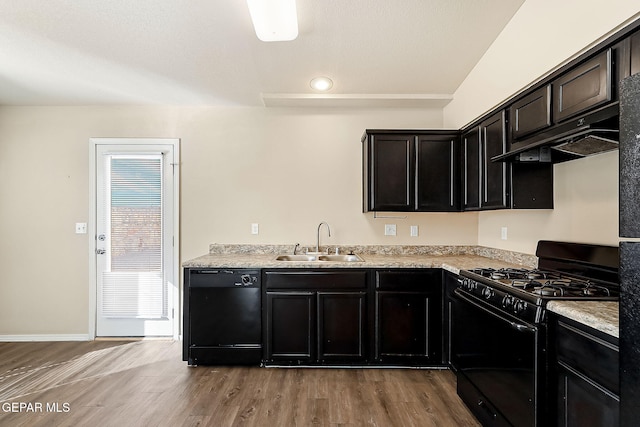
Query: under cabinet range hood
<point x="595" y="133"/>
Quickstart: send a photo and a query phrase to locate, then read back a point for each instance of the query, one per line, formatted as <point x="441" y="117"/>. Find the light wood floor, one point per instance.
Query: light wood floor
<point x="145" y="383"/>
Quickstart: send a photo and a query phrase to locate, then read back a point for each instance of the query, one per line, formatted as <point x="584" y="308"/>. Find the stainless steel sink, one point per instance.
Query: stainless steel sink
<point x="320" y="258"/>
<point x="341" y="258"/>
<point x="296" y="258"/>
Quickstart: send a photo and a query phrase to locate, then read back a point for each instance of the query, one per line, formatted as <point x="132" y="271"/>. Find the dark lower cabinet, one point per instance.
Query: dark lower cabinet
<point x="289" y="326"/>
<point x="586" y="376"/>
<point x="341" y="325"/>
<point x="402" y="324"/>
<point x="408" y="317"/>
<point x="315" y="317"/>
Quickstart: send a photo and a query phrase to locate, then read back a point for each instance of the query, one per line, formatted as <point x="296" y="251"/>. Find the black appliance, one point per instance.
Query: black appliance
<point x="499" y="329"/>
<point x="222" y="317"/>
<point x="630" y="251"/>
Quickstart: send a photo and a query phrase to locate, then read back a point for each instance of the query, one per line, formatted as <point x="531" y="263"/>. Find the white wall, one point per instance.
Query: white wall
<point x="542" y="35"/>
<point x="283" y="168"/>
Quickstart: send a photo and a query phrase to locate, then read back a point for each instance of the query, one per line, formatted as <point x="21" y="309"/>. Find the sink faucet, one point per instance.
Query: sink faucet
<point x="295" y="248"/>
<point x="318" y="241"/>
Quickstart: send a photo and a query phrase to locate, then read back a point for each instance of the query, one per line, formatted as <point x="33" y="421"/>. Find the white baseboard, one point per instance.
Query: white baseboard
<point x="52" y="337"/>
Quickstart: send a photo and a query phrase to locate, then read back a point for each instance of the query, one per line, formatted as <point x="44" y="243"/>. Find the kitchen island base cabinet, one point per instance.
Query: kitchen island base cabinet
<point x="315" y="317"/>
<point x="408" y="317"/>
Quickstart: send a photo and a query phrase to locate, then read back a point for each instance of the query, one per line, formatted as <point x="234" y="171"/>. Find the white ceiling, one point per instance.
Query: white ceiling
<point x="205" y="52"/>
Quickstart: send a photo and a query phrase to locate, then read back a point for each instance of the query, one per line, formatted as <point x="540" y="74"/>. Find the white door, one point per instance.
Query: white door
<point x="136" y="280"/>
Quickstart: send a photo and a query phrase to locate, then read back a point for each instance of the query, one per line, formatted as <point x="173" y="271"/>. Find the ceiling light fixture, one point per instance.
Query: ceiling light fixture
<point x="321" y="84"/>
<point x="274" y="20"/>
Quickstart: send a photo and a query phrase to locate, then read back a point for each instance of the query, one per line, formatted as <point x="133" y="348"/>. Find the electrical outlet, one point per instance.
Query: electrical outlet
<point x="414" y="231"/>
<point x="81" y="228"/>
<point x="389" y="229"/>
<point x="503" y="233"/>
<point x="255" y="229"/>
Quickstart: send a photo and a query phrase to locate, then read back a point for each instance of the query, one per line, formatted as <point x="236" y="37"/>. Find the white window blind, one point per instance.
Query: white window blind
<point x="134" y="285"/>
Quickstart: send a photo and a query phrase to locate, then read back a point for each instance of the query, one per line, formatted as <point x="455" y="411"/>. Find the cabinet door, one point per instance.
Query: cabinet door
<point x="289" y="326"/>
<point x="403" y="325"/>
<point x="581" y="403"/>
<point x="341" y="326"/>
<point x="494" y="174"/>
<point x="531" y="113"/>
<point x="391" y="170"/>
<point x="583" y="88"/>
<point x="472" y="168"/>
<point x="436" y="173"/>
<point x="635" y="53"/>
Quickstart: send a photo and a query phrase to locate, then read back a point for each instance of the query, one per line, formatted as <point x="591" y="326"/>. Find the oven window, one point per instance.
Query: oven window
<point x="497" y="358"/>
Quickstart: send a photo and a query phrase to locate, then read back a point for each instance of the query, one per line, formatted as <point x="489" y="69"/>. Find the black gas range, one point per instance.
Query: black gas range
<point x="566" y="271"/>
<point x="499" y="331"/>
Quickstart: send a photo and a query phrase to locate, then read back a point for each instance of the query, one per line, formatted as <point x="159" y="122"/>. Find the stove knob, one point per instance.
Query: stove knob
<point x="507" y="302"/>
<point x="488" y="293"/>
<point x="519" y="306"/>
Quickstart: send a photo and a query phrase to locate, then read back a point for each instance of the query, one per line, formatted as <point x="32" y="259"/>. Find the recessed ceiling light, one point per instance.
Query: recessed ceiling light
<point x="321" y="84"/>
<point x="274" y="20"/>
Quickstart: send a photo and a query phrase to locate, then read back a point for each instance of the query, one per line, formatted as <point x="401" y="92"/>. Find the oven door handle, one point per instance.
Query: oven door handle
<point x="515" y="325"/>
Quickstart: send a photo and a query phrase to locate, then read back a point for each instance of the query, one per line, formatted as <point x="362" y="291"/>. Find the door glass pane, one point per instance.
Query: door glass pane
<point x="136" y="214"/>
<point x="133" y="283"/>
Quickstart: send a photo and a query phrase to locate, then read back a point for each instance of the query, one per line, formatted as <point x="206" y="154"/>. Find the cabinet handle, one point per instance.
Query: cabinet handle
<point x="466" y="173"/>
<point x="451" y="176"/>
<point x="483" y="165"/>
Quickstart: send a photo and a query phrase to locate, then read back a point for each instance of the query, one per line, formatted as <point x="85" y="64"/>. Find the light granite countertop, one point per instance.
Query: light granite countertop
<point x="452" y="263"/>
<point x="602" y="316"/>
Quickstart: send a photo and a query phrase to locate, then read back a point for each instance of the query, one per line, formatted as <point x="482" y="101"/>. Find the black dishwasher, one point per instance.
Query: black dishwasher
<point x="222" y="317"/>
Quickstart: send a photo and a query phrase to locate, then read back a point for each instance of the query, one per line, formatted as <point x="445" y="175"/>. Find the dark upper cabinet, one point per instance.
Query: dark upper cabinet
<point x="635" y="53"/>
<point x="532" y="185"/>
<point x="472" y="168"/>
<point x="410" y="171"/>
<point x="437" y="174"/>
<point x="583" y="87"/>
<point x="494" y="174"/>
<point x="485" y="182"/>
<point x="531" y="113"/>
<point x="390" y="167"/>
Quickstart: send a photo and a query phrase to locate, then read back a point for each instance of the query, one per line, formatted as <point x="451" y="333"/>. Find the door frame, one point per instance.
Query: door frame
<point x="91" y="226"/>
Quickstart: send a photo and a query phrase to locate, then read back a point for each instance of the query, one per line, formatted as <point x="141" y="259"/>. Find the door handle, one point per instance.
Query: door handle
<point x="100" y="252"/>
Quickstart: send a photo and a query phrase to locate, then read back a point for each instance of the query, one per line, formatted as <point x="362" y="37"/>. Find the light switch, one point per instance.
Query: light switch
<point x="414" y="231"/>
<point x="81" y="228"/>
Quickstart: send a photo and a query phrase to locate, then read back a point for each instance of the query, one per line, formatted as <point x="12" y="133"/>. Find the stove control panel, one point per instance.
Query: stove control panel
<point x="503" y="300"/>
